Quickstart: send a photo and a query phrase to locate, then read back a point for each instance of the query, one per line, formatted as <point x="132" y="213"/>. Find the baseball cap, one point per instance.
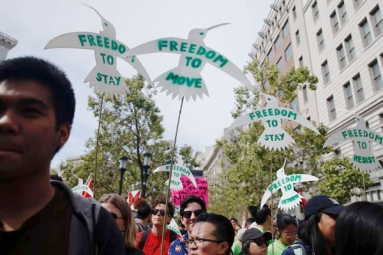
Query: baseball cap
<point x="322" y="204"/>
<point x="253" y="233"/>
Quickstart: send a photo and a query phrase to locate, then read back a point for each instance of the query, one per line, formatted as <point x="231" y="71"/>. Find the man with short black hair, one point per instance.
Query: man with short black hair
<point x="37" y="216"/>
<point x="143" y="217"/>
<point x="262" y="217"/>
<point x="190" y="208"/>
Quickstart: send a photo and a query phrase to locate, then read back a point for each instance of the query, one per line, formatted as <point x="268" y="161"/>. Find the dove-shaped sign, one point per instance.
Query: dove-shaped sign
<point x="185" y="80"/>
<point x="104" y="77"/>
<point x="274" y="136"/>
<point x="363" y="138"/>
<point x="175" y="181"/>
<point x="290" y="198"/>
<point x="81" y="187"/>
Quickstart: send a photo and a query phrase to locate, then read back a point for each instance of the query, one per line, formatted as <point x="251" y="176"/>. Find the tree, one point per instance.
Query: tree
<point x="249" y="175"/>
<point x="342" y="180"/>
<point x="186" y="153"/>
<point x="129" y="126"/>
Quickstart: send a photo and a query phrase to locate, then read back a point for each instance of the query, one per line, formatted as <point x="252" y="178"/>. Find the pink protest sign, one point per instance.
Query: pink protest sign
<point x="201" y="191"/>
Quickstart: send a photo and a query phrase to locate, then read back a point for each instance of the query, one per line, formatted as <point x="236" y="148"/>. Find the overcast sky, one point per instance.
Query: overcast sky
<point x="34" y="23"/>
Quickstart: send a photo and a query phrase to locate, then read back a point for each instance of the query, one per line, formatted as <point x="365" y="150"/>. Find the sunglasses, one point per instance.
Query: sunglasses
<point x="260" y="241"/>
<point x="115" y="217"/>
<point x="188" y="214"/>
<point x="155" y="211"/>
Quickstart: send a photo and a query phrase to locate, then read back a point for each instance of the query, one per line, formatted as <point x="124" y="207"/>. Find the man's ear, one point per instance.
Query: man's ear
<point x="224" y="247"/>
<point x="63" y="133"/>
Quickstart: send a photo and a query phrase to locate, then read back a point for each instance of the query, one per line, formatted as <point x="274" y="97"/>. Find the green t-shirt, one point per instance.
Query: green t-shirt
<point x="236" y="247"/>
<point x="279" y="247"/>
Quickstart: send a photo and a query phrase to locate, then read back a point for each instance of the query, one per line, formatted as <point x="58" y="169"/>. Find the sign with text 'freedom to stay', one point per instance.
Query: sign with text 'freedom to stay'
<point x="104" y="77"/>
<point x="185" y="80"/>
<point x="201" y="191"/>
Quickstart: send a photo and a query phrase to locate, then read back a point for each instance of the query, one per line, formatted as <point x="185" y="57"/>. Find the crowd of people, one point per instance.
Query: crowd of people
<point x="43" y="216"/>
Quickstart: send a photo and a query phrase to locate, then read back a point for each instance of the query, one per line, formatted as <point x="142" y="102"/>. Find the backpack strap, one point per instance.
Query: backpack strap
<point x="173" y="236"/>
<point x="143" y="239"/>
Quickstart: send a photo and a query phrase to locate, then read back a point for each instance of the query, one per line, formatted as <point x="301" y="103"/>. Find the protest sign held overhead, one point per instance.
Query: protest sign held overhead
<point x="175" y="180"/>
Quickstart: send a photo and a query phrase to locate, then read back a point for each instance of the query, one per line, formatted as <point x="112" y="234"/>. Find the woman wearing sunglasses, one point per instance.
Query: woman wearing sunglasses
<point x="122" y="214"/>
<point x="254" y="242"/>
<point x="287" y="232"/>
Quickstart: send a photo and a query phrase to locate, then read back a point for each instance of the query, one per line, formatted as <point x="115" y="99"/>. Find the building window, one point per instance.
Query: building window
<point x="341" y="57"/>
<point x="337" y="153"/>
<point x="334" y="22"/>
<point x="331" y="108"/>
<point x="357" y="82"/>
<point x="315" y="10"/>
<point x="277" y="43"/>
<point x="342" y="12"/>
<point x="350" y="48"/>
<point x="298" y="37"/>
<point x="325" y="73"/>
<point x="280" y="64"/>
<point x="365" y="33"/>
<point x="348" y="95"/>
<point x="357" y="3"/>
<point x="301" y="61"/>
<point x="286" y="29"/>
<point x="294" y="13"/>
<point x="270" y="55"/>
<point x="376" y="76"/>
<point x="305" y="96"/>
<point x="295" y="104"/>
<point x="288" y="52"/>
<point x="376" y="16"/>
<point x="320" y="40"/>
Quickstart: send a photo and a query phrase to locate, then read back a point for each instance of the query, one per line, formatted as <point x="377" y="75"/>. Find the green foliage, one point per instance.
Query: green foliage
<point x="129" y="126"/>
<point x="342" y="180"/>
<point x="186" y="153"/>
<point x="252" y="167"/>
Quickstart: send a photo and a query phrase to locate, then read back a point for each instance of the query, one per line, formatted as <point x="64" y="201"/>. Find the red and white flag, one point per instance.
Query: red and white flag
<point x="303" y="202"/>
<point x="90" y="185"/>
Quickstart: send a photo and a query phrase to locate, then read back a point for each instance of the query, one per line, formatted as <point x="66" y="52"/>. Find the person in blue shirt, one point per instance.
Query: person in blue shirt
<point x="190" y="208"/>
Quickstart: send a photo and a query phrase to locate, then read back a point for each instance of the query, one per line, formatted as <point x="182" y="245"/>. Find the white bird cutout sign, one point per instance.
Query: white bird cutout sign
<point x="175" y="181"/>
<point x="290" y="198"/>
<point x="363" y="139"/>
<point x="104" y="77"/>
<point x="185" y="80"/>
<point x="274" y="136"/>
<point x="81" y="187"/>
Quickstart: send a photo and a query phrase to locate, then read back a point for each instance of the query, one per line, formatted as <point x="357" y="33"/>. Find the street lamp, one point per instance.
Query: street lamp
<point x="146" y="166"/>
<point x="122" y="170"/>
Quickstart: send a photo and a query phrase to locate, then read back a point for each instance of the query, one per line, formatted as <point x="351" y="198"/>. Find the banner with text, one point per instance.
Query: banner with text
<point x="201" y="191"/>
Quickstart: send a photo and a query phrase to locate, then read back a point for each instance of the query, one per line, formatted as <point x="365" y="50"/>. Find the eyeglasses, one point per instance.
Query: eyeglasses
<point x="114" y="216"/>
<point x="260" y="241"/>
<point x="188" y="214"/>
<point x="288" y="235"/>
<point x="155" y="211"/>
<point x="200" y="241"/>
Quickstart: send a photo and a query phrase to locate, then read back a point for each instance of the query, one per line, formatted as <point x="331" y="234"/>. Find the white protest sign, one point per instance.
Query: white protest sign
<point x="274" y="136"/>
<point x="290" y="198"/>
<point x="81" y="187"/>
<point x="175" y="181"/>
<point x="173" y="227"/>
<point x="185" y="80"/>
<point x="363" y="139"/>
<point x="105" y="78"/>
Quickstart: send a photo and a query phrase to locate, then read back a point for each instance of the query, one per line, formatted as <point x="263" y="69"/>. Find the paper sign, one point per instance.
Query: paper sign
<point x="81" y="187"/>
<point x="175" y="182"/>
<point x="201" y="191"/>
<point x="104" y="77"/>
<point x="274" y="136"/>
<point x="173" y="227"/>
<point x="363" y="138"/>
<point x="185" y="80"/>
<point x="290" y="198"/>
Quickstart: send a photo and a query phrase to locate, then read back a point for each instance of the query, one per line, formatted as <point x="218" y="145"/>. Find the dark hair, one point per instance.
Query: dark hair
<point x="234" y="219"/>
<point x="162" y="200"/>
<point x="284" y="220"/>
<point x="259" y="215"/>
<point x="192" y="199"/>
<point x="245" y="248"/>
<point x="55" y="177"/>
<point x="250" y="220"/>
<point x="51" y="77"/>
<point x="359" y="229"/>
<point x="143" y="211"/>
<point x="223" y="229"/>
<point x="310" y="233"/>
